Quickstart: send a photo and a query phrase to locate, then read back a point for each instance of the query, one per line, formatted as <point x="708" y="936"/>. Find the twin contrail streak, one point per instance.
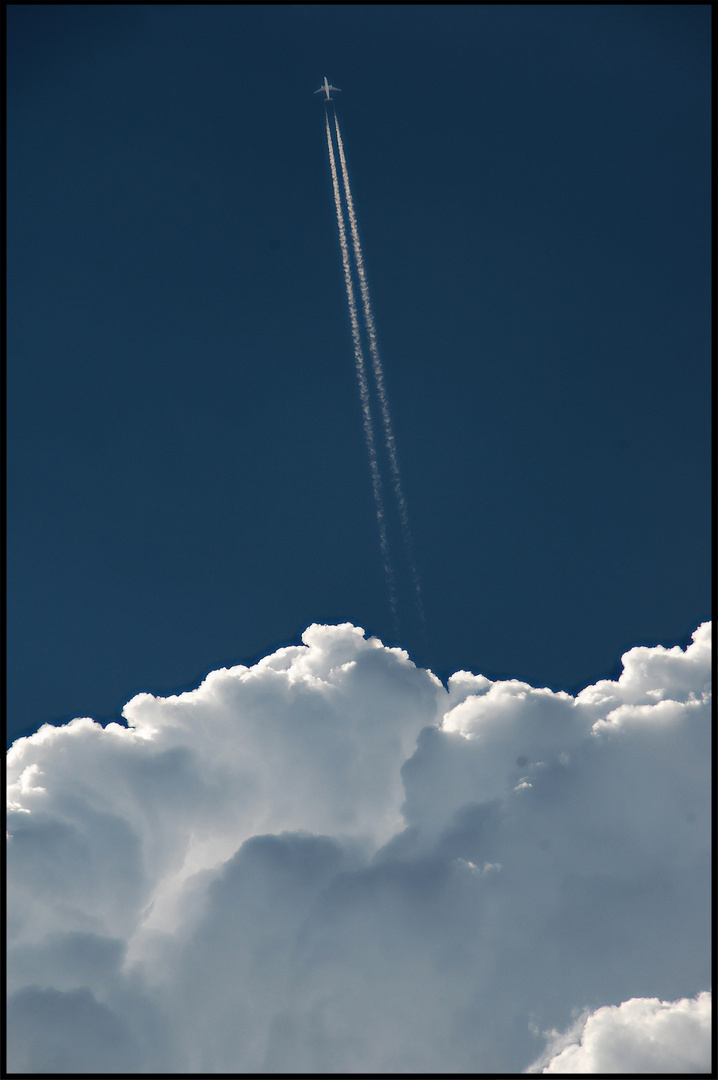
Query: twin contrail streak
<point x="361" y="375"/>
<point x="377" y="368"/>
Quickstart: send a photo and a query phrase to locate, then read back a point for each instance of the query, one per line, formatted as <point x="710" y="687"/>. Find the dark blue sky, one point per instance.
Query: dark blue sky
<point x="188" y="482"/>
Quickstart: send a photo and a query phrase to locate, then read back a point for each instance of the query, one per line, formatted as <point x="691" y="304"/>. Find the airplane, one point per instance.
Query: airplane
<point x="325" y="88"/>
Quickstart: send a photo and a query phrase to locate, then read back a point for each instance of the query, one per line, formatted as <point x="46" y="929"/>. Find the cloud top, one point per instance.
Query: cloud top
<point x="328" y="861"/>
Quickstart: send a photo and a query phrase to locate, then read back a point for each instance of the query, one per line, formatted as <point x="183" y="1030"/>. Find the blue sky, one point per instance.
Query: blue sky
<point x="188" y="483"/>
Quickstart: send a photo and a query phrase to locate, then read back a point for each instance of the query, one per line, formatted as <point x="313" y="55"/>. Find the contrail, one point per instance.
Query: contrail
<point x="378" y="370"/>
<point x="362" y="380"/>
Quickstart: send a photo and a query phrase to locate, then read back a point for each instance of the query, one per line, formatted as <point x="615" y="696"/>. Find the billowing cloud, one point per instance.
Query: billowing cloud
<point x="643" y="1035"/>
<point x="331" y="862"/>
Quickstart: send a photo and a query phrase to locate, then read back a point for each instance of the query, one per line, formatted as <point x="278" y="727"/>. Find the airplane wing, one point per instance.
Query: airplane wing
<point x="326" y="88"/>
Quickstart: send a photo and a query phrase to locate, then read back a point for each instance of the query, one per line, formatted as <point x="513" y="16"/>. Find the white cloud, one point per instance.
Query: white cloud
<point x="330" y="862"/>
<point x="643" y="1035"/>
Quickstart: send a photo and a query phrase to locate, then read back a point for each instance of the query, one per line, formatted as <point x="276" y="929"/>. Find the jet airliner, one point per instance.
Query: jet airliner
<point x="325" y="88"/>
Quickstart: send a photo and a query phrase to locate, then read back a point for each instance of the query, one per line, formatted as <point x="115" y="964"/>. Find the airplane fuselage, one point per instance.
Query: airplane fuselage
<point x="325" y="88"/>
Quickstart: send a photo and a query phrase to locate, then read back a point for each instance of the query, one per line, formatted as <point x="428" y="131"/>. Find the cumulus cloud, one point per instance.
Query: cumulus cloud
<point x="330" y="862"/>
<point x="643" y="1035"/>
